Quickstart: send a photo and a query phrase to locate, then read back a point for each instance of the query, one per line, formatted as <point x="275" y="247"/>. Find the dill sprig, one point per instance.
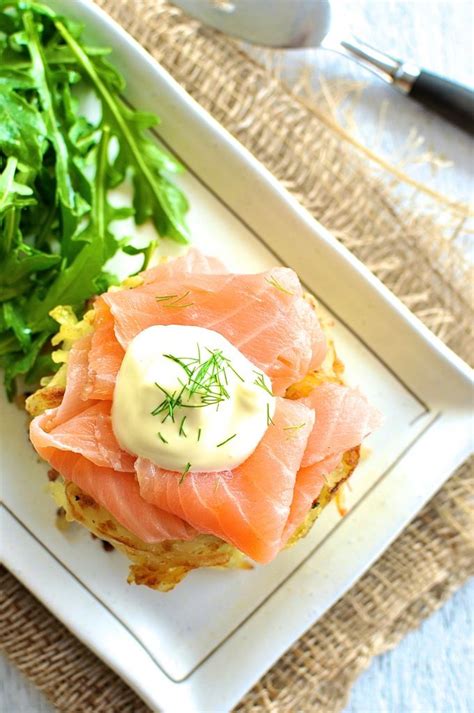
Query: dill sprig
<point x="222" y="443"/>
<point x="181" y="361"/>
<point x="169" y="404"/>
<point x="163" y="298"/>
<point x="204" y="384"/>
<point x="274" y="283"/>
<point x="182" y="432"/>
<point x="235" y="372"/>
<point x="174" y="300"/>
<point x="205" y="381"/>
<point x="260" y="381"/>
<point x="295" y="428"/>
<point x="161" y="437"/>
<point x="199" y="435"/>
<point x="270" y="421"/>
<point x="186" y="470"/>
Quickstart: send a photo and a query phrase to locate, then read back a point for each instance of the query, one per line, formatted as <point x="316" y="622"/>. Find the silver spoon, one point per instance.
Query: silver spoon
<point x="294" y="24"/>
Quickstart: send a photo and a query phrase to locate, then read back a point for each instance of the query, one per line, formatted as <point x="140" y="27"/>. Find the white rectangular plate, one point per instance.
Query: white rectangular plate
<point x="203" y="645"/>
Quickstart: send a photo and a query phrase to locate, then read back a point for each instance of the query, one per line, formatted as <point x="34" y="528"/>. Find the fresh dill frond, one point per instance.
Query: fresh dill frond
<point x="161" y="437"/>
<point x="174" y="300"/>
<point x="274" y="283"/>
<point x="182" y="432"/>
<point x="163" y="298"/>
<point x="175" y="304"/>
<point x="226" y="441"/>
<point x="206" y="379"/>
<point x="184" y="473"/>
<point x="260" y="381"/>
<point x="270" y="421"/>
<point x="169" y="404"/>
<point x="181" y="362"/>
<point x="204" y="383"/>
<point x="235" y="372"/>
<point x="294" y="428"/>
<point x="199" y="434"/>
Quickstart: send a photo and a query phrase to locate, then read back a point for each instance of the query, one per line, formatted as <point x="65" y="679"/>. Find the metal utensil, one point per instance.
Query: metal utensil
<point x="307" y="23"/>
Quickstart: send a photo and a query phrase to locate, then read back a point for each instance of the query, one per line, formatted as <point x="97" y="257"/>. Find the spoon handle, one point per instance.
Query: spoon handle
<point x="452" y="101"/>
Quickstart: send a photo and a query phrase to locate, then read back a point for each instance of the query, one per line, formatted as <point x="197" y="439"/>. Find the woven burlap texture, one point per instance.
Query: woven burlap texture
<point x="388" y="224"/>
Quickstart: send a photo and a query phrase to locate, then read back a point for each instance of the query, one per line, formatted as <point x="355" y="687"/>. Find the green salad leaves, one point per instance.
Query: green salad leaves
<point x="56" y="167"/>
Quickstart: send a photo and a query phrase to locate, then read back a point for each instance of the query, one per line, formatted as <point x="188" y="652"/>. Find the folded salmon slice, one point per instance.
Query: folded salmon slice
<point x="263" y="315"/>
<point x="192" y="261"/>
<point x="90" y="434"/>
<point x="249" y="506"/>
<point x="344" y="418"/>
<point x="77" y="440"/>
<point x="309" y="483"/>
<point x="116" y="491"/>
<point x="77" y="374"/>
<point x="105" y="355"/>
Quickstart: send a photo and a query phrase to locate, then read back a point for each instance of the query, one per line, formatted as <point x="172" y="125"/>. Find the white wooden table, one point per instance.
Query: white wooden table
<point x="432" y="670"/>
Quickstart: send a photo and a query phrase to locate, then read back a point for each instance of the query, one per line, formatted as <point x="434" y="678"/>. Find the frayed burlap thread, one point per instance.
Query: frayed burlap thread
<point x="389" y="223"/>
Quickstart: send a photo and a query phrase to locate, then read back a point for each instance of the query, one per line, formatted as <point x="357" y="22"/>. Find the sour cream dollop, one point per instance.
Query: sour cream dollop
<point x="188" y="400"/>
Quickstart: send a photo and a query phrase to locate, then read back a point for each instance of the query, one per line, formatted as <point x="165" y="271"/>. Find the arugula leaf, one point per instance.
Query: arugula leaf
<point x="13" y="194"/>
<point x="18" y="365"/>
<point x="72" y="204"/>
<point x="56" y="169"/>
<point x="22" y="131"/>
<point x="15" y="79"/>
<point x="161" y="199"/>
<point x="72" y="286"/>
<point x="13" y="319"/>
<point x="78" y="282"/>
<point x="8" y="344"/>
<point x="21" y="262"/>
<point x="147" y="253"/>
<point x="43" y="366"/>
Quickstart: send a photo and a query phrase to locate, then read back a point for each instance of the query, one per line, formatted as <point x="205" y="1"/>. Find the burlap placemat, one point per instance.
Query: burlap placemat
<point x="390" y="223"/>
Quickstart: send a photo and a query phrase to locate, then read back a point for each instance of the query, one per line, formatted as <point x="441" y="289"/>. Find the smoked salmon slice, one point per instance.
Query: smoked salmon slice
<point x="105" y="355"/>
<point x="76" y="439"/>
<point x="116" y="491"/>
<point x="77" y="374"/>
<point x="192" y="261"/>
<point x="249" y="506"/>
<point x="264" y="315"/>
<point x="90" y="434"/>
<point x="344" y="418"/>
<point x="309" y="483"/>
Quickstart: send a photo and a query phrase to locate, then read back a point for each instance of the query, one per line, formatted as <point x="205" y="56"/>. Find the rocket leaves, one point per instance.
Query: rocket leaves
<point x="57" y="166"/>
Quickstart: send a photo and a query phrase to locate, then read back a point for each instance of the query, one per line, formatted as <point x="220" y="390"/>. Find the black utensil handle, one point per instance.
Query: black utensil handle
<point x="452" y="101"/>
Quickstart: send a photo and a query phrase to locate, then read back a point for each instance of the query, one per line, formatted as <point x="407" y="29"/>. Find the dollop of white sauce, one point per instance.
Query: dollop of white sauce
<point x="188" y="400"/>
